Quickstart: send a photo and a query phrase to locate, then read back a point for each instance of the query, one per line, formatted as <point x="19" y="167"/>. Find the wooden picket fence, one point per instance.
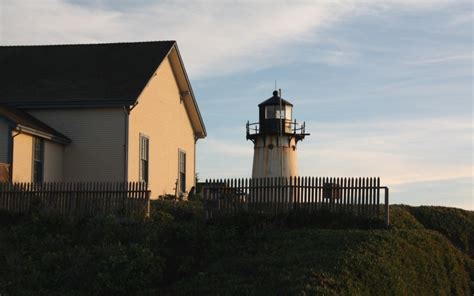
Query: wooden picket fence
<point x="76" y="198"/>
<point x="355" y="196"/>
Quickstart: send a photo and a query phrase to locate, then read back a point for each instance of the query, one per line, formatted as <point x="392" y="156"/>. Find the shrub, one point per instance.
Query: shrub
<point x="176" y="251"/>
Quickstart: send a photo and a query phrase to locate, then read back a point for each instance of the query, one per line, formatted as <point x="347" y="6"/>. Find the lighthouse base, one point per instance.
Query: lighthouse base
<point x="274" y="156"/>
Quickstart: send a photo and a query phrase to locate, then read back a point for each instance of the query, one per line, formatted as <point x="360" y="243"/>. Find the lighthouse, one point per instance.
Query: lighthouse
<point x="275" y="137"/>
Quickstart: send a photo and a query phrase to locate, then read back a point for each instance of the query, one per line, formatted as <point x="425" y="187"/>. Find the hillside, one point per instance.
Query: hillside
<point x="428" y="250"/>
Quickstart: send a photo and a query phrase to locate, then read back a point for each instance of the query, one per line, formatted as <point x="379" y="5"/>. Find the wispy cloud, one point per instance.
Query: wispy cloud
<point x="53" y="21"/>
<point x="401" y="151"/>
<point x="455" y="192"/>
<point x="224" y="158"/>
<point x="442" y="59"/>
<point x="227" y="148"/>
<point x="463" y="19"/>
<point x="214" y="36"/>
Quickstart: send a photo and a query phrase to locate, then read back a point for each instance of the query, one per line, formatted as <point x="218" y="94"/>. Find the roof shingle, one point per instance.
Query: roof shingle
<point x="84" y="74"/>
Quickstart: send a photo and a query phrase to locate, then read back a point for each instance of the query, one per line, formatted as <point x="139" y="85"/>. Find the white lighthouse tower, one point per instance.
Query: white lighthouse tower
<point x="275" y="139"/>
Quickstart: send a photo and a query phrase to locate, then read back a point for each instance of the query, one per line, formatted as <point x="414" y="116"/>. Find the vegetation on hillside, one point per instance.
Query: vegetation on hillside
<point x="427" y="251"/>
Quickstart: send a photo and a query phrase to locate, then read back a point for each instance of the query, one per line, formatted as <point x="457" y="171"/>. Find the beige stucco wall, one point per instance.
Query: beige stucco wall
<point x="5" y="135"/>
<point x="163" y="118"/>
<point x="53" y="162"/>
<point x="22" y="158"/>
<point x="97" y="151"/>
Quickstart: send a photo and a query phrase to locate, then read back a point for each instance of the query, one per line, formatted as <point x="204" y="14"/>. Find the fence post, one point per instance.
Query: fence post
<point x="148" y="192"/>
<point x="387" y="208"/>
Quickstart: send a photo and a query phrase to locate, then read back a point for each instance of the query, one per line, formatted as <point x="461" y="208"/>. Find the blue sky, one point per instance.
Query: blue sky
<point x="385" y="87"/>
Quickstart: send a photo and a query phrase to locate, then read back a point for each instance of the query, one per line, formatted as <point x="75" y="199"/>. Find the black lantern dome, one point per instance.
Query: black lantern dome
<point x="275" y="101"/>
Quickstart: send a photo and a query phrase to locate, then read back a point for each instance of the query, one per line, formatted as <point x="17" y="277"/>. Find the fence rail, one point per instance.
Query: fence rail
<point x="356" y="196"/>
<point x="76" y="198"/>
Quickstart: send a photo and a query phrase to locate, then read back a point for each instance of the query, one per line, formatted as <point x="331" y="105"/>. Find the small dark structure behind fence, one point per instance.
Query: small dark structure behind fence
<point x="355" y="196"/>
<point x="77" y="198"/>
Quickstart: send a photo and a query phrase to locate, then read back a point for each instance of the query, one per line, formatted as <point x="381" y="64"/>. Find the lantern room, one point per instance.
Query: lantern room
<point x="276" y="118"/>
<point x="275" y="115"/>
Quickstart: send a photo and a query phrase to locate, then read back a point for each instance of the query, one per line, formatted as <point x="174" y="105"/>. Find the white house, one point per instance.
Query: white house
<point x="99" y="112"/>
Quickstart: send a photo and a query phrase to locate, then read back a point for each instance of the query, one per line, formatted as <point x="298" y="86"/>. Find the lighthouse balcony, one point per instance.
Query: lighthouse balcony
<point x="276" y="127"/>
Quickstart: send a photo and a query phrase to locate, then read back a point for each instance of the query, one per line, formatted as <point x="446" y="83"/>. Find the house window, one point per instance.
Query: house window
<point x="38" y="160"/>
<point x="182" y="171"/>
<point x="144" y="149"/>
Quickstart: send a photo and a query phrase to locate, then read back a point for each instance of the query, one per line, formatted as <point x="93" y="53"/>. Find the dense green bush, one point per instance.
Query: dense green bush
<point x="332" y="262"/>
<point x="103" y="255"/>
<point x="176" y="251"/>
<point x="456" y="224"/>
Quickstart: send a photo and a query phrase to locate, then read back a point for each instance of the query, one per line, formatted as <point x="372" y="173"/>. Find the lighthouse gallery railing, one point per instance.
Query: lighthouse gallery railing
<point x="295" y="127"/>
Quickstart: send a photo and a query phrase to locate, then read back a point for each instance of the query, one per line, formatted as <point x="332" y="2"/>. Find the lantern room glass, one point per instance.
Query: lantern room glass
<point x="288" y="111"/>
<point x="274" y="112"/>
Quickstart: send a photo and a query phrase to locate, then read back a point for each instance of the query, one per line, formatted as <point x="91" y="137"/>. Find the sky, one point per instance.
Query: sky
<point x="385" y="87"/>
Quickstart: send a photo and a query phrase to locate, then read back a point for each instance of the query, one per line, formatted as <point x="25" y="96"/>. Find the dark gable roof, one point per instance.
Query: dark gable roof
<point x="29" y="124"/>
<point x="83" y="74"/>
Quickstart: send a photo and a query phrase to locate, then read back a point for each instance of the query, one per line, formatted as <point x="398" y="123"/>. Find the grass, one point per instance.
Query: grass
<point x="428" y="250"/>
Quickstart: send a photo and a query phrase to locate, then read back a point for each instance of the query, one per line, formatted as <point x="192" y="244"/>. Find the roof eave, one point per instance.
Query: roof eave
<point x="28" y="130"/>
<point x="283" y="101"/>
<point x="203" y="133"/>
<point x="72" y="104"/>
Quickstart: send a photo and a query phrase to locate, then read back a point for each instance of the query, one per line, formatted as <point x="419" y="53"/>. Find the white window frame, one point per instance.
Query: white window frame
<point x="37" y="160"/>
<point x="181" y="171"/>
<point x="144" y="158"/>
